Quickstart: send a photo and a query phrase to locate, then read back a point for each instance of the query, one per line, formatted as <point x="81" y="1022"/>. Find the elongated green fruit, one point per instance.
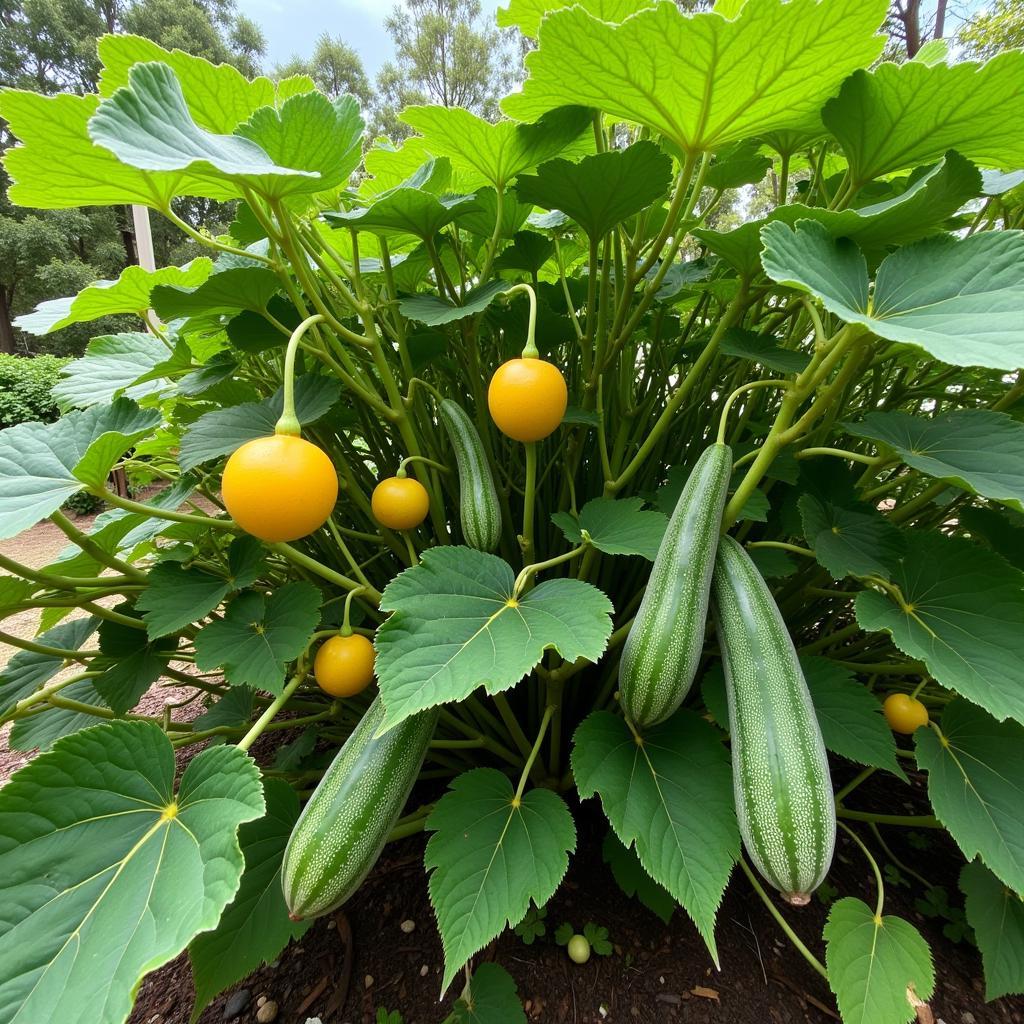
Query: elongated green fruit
<point x="344" y="826"/>
<point x="662" y="651"/>
<point x="479" y="510"/>
<point x="781" y="781"/>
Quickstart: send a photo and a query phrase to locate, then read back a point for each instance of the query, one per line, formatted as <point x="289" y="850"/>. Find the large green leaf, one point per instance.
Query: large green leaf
<point x="850" y="541"/>
<point x="258" y="636"/>
<point x="901" y="115"/>
<point x="226" y="291"/>
<point x="872" y="962"/>
<point x="975" y="786"/>
<point x="219" y="96"/>
<point x="147" y="125"/>
<point x="57" y="166"/>
<point x="616" y="527"/>
<point x="110" y="367"/>
<point x="1001" y="531"/>
<point x="762" y="349"/>
<point x="41" y="732"/>
<point x="490" y="855"/>
<point x="962" y="615"/>
<point x="29" y="670"/>
<point x="254" y="927"/>
<point x="601" y="190"/>
<point x="526" y="15"/>
<point x="489" y="998"/>
<point x="671" y="795"/>
<point x="128" y="294"/>
<point x="996" y="914"/>
<point x="313" y="134"/>
<point x="405" y="211"/>
<point x="222" y="431"/>
<point x="435" y="311"/>
<point x="700" y="80"/>
<point x="497" y="152"/>
<point x="974" y="449"/>
<point x="960" y="299"/>
<point x="101" y="864"/>
<point x="43" y="464"/>
<point x="456" y="626"/>
<point x="850" y="716"/>
<point x="922" y="208"/>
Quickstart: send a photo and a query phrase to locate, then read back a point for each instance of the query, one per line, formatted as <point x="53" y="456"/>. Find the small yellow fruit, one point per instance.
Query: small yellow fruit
<point x="905" y="714"/>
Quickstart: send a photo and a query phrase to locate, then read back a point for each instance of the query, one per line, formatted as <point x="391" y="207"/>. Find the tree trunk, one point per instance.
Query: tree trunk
<point x="6" y="327"/>
<point x="940" y="19"/>
<point x="124" y="222"/>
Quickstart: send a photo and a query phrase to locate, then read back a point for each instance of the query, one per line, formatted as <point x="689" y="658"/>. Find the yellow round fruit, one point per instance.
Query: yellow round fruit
<point x="905" y="714"/>
<point x="280" y="487"/>
<point x="400" y="503"/>
<point x="344" y="665"/>
<point x="527" y="398"/>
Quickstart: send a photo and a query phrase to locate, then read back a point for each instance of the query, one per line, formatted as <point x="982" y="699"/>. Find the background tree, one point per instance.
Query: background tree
<point x="998" y="27"/>
<point x="49" y="46"/>
<point x="446" y="52"/>
<point x="334" y="66"/>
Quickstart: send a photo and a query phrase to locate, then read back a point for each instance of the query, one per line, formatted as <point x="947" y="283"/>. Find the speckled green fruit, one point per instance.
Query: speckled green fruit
<point x="346" y="822"/>
<point x="579" y="949"/>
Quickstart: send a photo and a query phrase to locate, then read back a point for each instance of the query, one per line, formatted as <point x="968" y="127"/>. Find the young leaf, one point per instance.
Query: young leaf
<point x="601" y="190"/>
<point x="233" y="709"/>
<point x="258" y="637"/>
<point x="960" y="299"/>
<point x="434" y="311"/>
<point x="254" y="927"/>
<point x="490" y="998"/>
<point x="903" y="115"/>
<point x="975" y="786"/>
<point x="489" y="856"/>
<point x="128" y="294"/>
<point x="872" y="962"/>
<point x="404" y="211"/>
<point x="678" y="74"/>
<point x="763" y="350"/>
<point x="975" y="449"/>
<point x="41" y="732"/>
<point x="99" y="813"/>
<point x="496" y="151"/>
<point x="996" y="913"/>
<point x="597" y="936"/>
<point x="616" y="527"/>
<point x="633" y="880"/>
<point x="649" y="791"/>
<point x="962" y="614"/>
<point x="43" y="464"/>
<point x="456" y="626"/>
<point x="526" y="15"/>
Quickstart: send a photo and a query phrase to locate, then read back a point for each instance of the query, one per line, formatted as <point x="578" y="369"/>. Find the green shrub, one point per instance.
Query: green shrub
<point x="26" y="388"/>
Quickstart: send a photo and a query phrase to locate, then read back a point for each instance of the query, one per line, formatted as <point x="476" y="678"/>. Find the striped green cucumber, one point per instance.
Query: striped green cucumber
<point x="663" y="649"/>
<point x="479" y="510"/>
<point x="781" y="781"/>
<point x="344" y="826"/>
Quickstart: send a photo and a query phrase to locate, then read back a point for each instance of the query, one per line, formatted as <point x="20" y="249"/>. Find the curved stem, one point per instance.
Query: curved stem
<point x="530" y="348"/>
<point x="782" y="922"/>
<point x="880" y="902"/>
<point x="548" y="712"/>
<point x="841" y="453"/>
<point x="529" y="571"/>
<point x="289" y="422"/>
<point x="400" y="472"/>
<point x="782" y="546"/>
<point x="271" y="710"/>
<point x="166" y="513"/>
<point x="743" y="389"/>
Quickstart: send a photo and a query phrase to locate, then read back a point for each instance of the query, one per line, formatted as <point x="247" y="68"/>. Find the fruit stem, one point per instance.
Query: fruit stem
<point x="530" y="349"/>
<point x="271" y="710"/>
<point x="401" y="474"/>
<point x="346" y="626"/>
<point x="289" y="422"/>
<point x="722" y="420"/>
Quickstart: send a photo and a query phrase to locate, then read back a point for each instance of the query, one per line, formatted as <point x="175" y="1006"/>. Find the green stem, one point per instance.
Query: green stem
<point x="782" y="546"/>
<point x="299" y="558"/>
<point x="841" y="453"/>
<point x="862" y="776"/>
<point x="289" y="422"/>
<point x="529" y="571"/>
<point x="880" y="902"/>
<point x="529" y="499"/>
<point x="168" y="514"/>
<point x="91" y="548"/>
<point x="530" y="348"/>
<point x="271" y="710"/>
<point x="548" y="712"/>
<point x="782" y="922"/>
<point x="742" y="390"/>
<point x="902" y="820"/>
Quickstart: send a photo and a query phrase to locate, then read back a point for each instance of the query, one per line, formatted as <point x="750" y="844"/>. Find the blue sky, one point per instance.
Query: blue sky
<point x="291" y="26"/>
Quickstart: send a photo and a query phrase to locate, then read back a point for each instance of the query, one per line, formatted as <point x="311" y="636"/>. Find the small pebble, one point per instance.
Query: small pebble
<point x="267" y="1012"/>
<point x="261" y="1001"/>
<point x="332" y="924"/>
<point x="408" y="926"/>
<point x="968" y="1017"/>
<point x="424" y="971"/>
<point x="236" y="1003"/>
<point x="368" y="981"/>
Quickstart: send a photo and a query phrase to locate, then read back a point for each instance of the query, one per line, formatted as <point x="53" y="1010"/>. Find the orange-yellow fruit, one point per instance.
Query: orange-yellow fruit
<point x="279" y="487"/>
<point x="905" y="714"/>
<point x="344" y="665"/>
<point x="527" y="398"/>
<point x="400" y="503"/>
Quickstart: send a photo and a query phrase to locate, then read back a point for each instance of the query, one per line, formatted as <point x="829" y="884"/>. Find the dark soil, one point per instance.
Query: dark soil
<point x="656" y="973"/>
